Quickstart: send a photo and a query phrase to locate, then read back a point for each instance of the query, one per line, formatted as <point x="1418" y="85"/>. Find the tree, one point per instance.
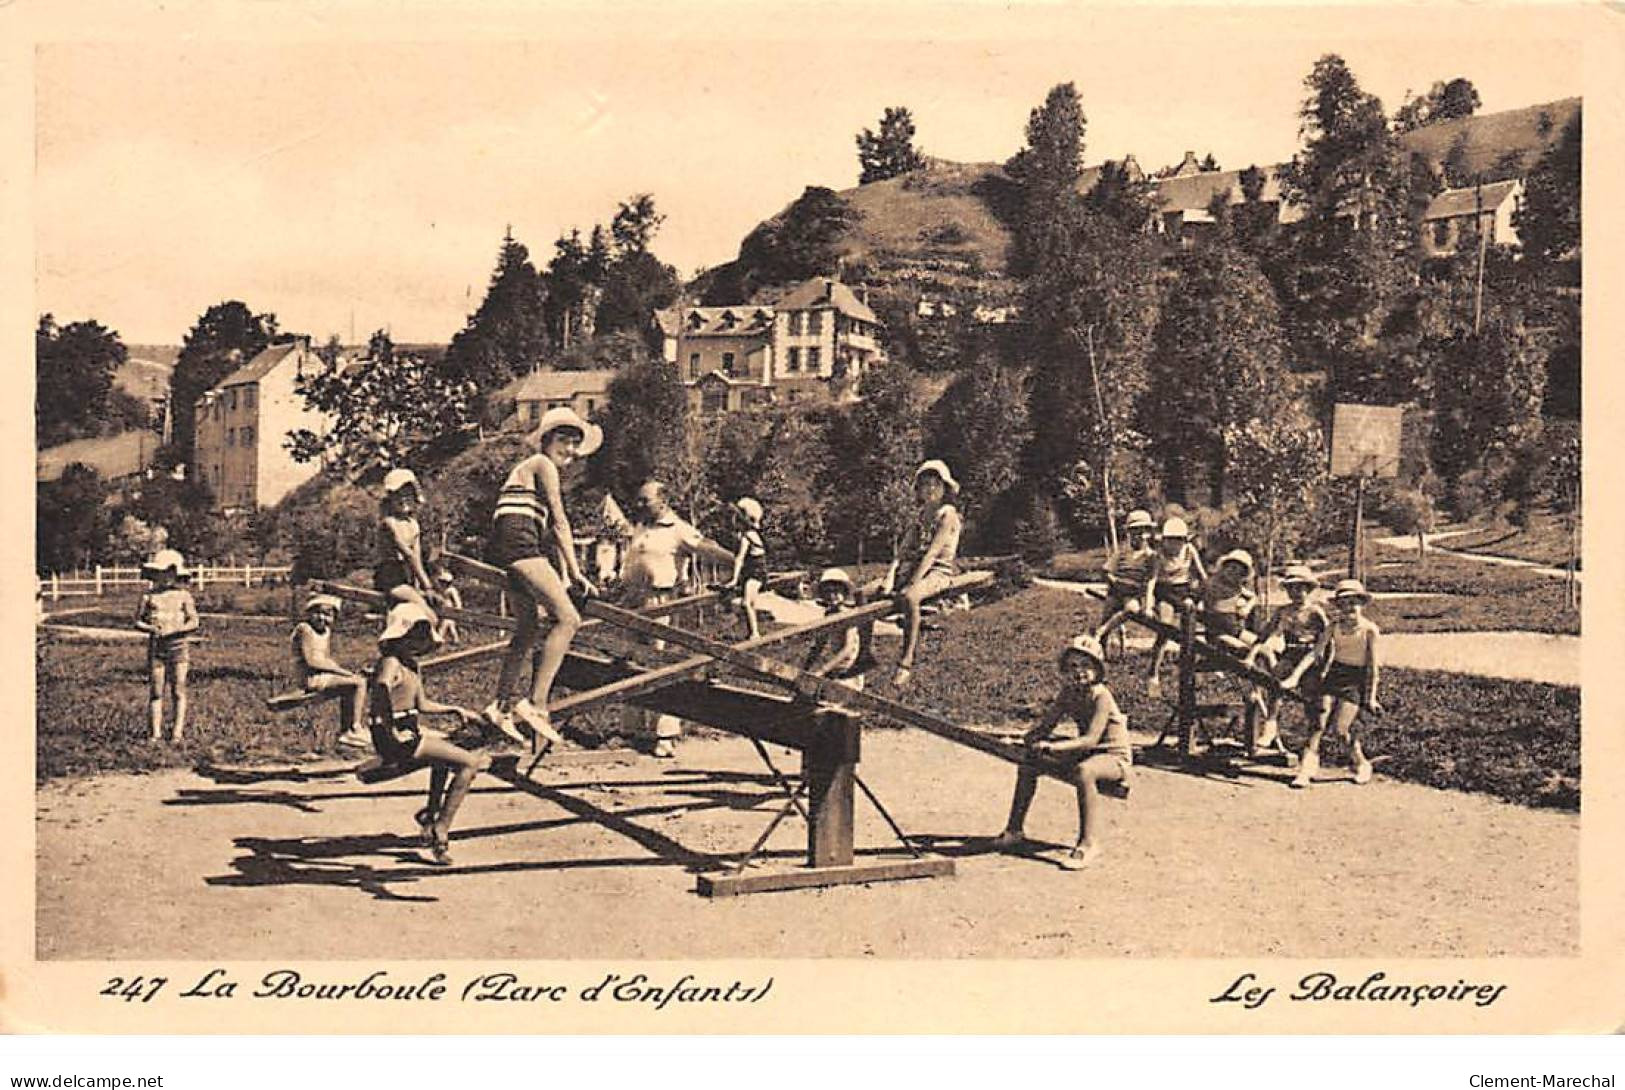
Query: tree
<point x="1276" y="464"/>
<point x="385" y="411"/>
<point x="1547" y="219"/>
<point x="1209" y="164"/>
<point x="1219" y="362"/>
<point x="1119" y="198"/>
<point x="791" y="463"/>
<point x="1443" y="102"/>
<point x="635" y="282"/>
<point x="645" y="429"/>
<point x="74" y="396"/>
<point x="635" y="223"/>
<point x="226" y="336"/>
<point x="979" y="425"/>
<point x="800" y="243"/>
<point x="70" y="519"/>
<point x="871" y="484"/>
<point x="1045" y="173"/>
<point x="891" y="151"/>
<point x="1487" y="400"/>
<point x="507" y="335"/>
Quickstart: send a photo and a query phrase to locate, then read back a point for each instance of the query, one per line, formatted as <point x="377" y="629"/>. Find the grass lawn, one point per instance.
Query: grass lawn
<point x="993" y="665"/>
<point x="1487" y="597"/>
<point x="1544" y="541"/>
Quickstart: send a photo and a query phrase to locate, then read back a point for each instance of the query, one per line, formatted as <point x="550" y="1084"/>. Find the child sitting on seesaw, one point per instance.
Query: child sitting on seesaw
<point x="1100" y="754"/>
<point x="1285" y="647"/>
<point x="399" y="572"/>
<point x="318" y="671"/>
<point x="925" y="560"/>
<point x="397" y="704"/>
<point x="1176" y="571"/>
<point x="1126" y="574"/>
<point x="1347" y="653"/>
<point x="1228" y="604"/>
<point x="168" y="615"/>
<point x="836" y="653"/>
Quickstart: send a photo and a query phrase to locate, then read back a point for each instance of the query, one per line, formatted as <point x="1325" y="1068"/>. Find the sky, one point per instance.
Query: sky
<point x="339" y="181"/>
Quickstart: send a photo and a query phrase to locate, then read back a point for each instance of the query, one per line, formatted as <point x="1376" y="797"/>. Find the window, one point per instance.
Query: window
<point x="793" y="363"/>
<point x="590" y="406"/>
<point x="815" y="322"/>
<point x="714" y="400"/>
<point x="798" y="323"/>
<point x="694" y="365"/>
<point x="231" y="400"/>
<point x="813" y="361"/>
<point x="231" y="437"/>
<point x="245" y="436"/>
<point x="250" y="396"/>
<point x="727" y="363"/>
<point x="535" y="408"/>
<point x="1441" y="233"/>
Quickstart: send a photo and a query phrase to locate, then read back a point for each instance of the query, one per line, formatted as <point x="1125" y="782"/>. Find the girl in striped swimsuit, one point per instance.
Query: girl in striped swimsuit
<point x="529" y="525"/>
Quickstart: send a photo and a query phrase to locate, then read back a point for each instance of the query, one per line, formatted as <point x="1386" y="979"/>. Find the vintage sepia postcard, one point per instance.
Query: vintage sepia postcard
<point x="924" y="517"/>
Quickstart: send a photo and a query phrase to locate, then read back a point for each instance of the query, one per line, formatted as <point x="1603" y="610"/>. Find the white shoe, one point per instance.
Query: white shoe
<point x="1307" y="767"/>
<point x="1080" y="857"/>
<point x="355" y="738"/>
<point x="1362" y="772"/>
<point x="493" y="714"/>
<point x="1153" y="689"/>
<point x="537" y="720"/>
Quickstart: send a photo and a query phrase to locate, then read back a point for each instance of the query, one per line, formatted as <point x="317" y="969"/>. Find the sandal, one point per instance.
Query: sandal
<point x="538" y="721"/>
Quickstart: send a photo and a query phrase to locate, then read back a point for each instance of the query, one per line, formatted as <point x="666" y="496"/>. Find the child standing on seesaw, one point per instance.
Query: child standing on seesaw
<point x="1347" y="653"/>
<point x="397" y="705"/>
<point x="1100" y="754"/>
<point x="1126" y="574"/>
<point x="318" y="671"/>
<point x="925" y="559"/>
<point x="168" y="615"/>
<point x="400" y="572"/>
<point x="750" y="562"/>
<point x="529" y="525"/>
<point x="1175" y="572"/>
<point x="836" y="653"/>
<point x="1286" y="646"/>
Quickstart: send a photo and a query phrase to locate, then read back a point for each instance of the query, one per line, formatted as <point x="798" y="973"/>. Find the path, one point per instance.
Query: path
<point x="1408" y="541"/>
<point x="1518" y="656"/>
<point x="311" y="864"/>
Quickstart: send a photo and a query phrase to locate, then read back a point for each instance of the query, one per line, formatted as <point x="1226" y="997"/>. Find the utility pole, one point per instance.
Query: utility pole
<point x="1483" y="246"/>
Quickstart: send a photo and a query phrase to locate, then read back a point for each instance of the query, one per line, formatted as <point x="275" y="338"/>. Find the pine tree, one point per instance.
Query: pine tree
<point x="507" y="335"/>
<point x="645" y="428"/>
<point x="1045" y="173"/>
<point x="890" y="152"/>
<point x="979" y="425"/>
<point x="1548" y="218"/>
<point x="74" y="394"/>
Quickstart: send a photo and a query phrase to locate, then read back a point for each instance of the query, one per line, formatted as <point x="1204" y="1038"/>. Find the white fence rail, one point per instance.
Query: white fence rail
<point x="101" y="580"/>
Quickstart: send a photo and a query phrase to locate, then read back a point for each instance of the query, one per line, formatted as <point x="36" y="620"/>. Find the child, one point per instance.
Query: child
<point x="1286" y="646"/>
<point x="925" y="556"/>
<point x="1347" y="653"/>
<point x="400" y="572"/>
<point x="168" y="615"/>
<point x="658" y="544"/>
<point x="750" y="563"/>
<point x="529" y="524"/>
<point x="1228" y="604"/>
<point x="836" y="652"/>
<point x="318" y="671"/>
<point x="1126" y="574"/>
<point x="398" y="702"/>
<point x="451" y="598"/>
<point x="1099" y="754"/>
<point x="1175" y="572"/>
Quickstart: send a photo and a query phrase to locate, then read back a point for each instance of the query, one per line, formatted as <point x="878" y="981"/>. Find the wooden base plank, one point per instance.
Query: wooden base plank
<point x="733" y="885"/>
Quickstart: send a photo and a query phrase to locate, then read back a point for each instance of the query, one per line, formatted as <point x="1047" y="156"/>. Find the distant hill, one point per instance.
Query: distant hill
<point x="147" y="371"/>
<point x="938" y="229"/>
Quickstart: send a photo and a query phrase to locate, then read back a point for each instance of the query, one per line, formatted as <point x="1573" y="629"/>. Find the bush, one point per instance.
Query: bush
<point x="1037" y="535"/>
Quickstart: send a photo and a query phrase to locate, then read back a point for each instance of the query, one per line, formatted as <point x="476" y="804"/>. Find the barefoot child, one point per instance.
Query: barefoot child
<point x="750" y="563"/>
<point x="1175" y="572"/>
<point x="924" y="565"/>
<point x="1347" y="653"/>
<point x="1286" y="647"/>
<point x="400" y="572"/>
<point x="658" y="544"/>
<point x="836" y="652"/>
<point x="318" y="671"/>
<point x="1126" y="574"/>
<point x="398" y="703"/>
<point x="451" y="598"/>
<point x="530" y="525"/>
<point x="1099" y="754"/>
<point x="1228" y="604"/>
<point x="168" y="615"/>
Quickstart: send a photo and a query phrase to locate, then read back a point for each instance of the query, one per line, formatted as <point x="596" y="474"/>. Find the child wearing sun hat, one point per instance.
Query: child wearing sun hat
<point x="1176" y="571"/>
<point x="318" y="671"/>
<point x="1286" y="646"/>
<point x="1126" y="573"/>
<point x="750" y="562"/>
<point x="836" y="653"/>
<point x="926" y="556"/>
<point x="168" y="615"/>
<point x="1348" y="677"/>
<point x="1100" y="754"/>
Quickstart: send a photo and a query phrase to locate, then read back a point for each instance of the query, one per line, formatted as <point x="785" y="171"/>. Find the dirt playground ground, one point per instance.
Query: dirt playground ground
<point x="599" y="861"/>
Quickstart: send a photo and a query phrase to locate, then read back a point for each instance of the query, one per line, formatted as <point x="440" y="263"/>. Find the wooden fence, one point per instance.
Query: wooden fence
<point x="100" y="580"/>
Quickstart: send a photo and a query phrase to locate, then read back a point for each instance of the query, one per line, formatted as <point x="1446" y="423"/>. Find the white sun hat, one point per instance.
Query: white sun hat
<point x="940" y="468"/>
<point x="397" y="479"/>
<point x="405" y="616"/>
<point x="751" y="508"/>
<point x="167" y="560"/>
<point x="562" y="416"/>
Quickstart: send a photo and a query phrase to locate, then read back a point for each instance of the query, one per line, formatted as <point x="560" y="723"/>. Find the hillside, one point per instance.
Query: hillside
<point x="938" y="230"/>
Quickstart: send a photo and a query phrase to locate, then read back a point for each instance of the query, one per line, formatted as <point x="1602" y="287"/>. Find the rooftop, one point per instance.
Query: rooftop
<point x="1465" y="201"/>
<point x="552" y="385"/>
<point x="823" y="292"/>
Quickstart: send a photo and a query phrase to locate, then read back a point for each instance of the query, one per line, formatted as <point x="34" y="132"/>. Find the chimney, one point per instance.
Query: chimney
<point x="1131" y="169"/>
<point x="829" y="290"/>
<point x="1188" y="166"/>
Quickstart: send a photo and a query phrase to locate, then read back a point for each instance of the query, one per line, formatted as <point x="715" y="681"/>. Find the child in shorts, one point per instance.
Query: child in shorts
<point x="1228" y="604"/>
<point x="1100" y="754"/>
<point x="1176" y="572"/>
<point x="1285" y="647"/>
<point x="397" y="705"/>
<point x="318" y="671"/>
<point x="1347" y="653"/>
<point x="168" y="615"/>
<point x="925" y="559"/>
<point x="400" y="572"/>
<point x="837" y="652"/>
<point x="1126" y="574"/>
<point x="750" y="562"/>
